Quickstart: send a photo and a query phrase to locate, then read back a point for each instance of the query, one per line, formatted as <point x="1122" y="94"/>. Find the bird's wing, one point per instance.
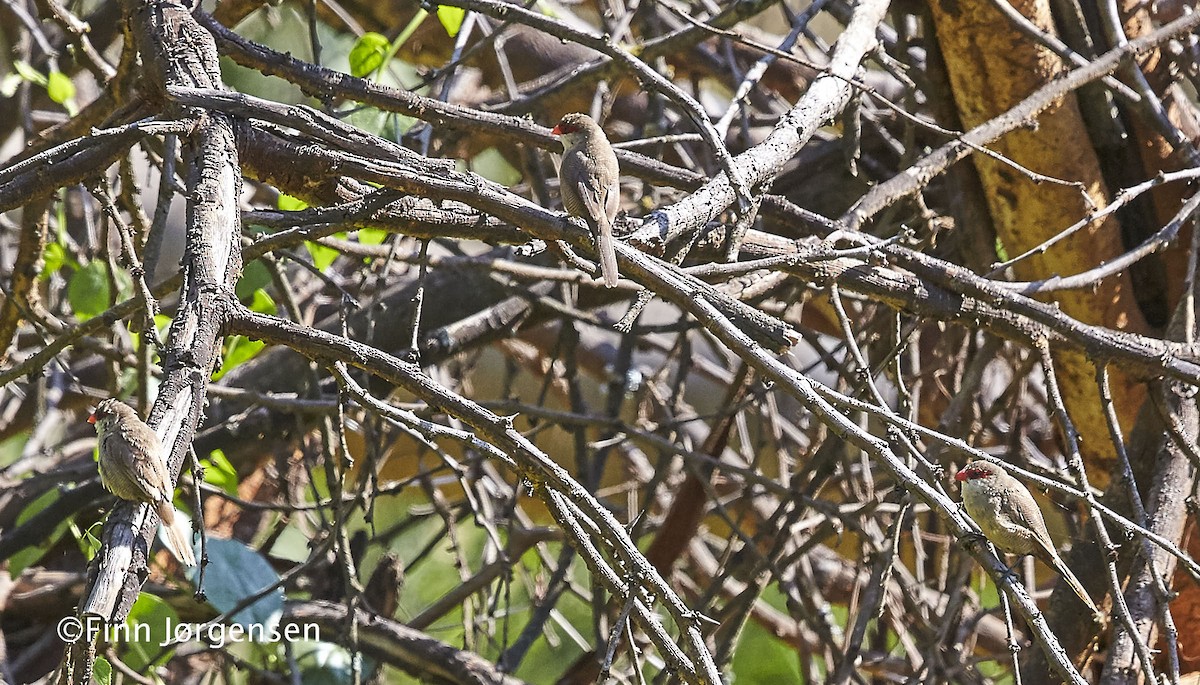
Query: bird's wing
<point x="127" y="482"/>
<point x="593" y="197"/>
<point x="1025" y="511"/>
<point x="587" y="187"/>
<point x="146" y="449"/>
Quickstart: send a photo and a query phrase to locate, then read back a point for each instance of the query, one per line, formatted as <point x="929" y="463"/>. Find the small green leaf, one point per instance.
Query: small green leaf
<point x="290" y="204"/>
<point x="55" y="258"/>
<point x="89" y="540"/>
<point x="88" y="290"/>
<point x="262" y="303"/>
<point x="451" y="18"/>
<point x="368" y="53"/>
<point x="238" y="350"/>
<point x="492" y="165"/>
<point x="27" y="72"/>
<point x="220" y="472"/>
<point x="254" y="276"/>
<point x="23" y="558"/>
<point x="322" y="256"/>
<point x="372" y="236"/>
<point x="324" y="663"/>
<point x="59" y="87"/>
<point x="124" y="284"/>
<point x="159" y="617"/>
<point x="12" y="447"/>
<point x="102" y="671"/>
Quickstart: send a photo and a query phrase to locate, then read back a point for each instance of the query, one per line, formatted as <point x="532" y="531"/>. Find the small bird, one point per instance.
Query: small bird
<point x="1008" y="515"/>
<point x="133" y="467"/>
<point x="589" y="180"/>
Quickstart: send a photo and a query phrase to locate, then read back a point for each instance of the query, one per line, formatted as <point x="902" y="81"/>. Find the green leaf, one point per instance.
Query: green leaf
<point x="254" y="276"/>
<point x="372" y="236"/>
<point x="322" y="256"/>
<point x="451" y="18"/>
<point x="492" y="165"/>
<point x="12" y="447"/>
<point x="102" y="671"/>
<point x="162" y="322"/>
<point x="88" y="290"/>
<point x="159" y="618"/>
<point x="262" y="303"/>
<point x="368" y="53"/>
<point x="59" y="87"/>
<point x="220" y="472"/>
<point x="22" y="559"/>
<point x="324" y="663"/>
<point x="89" y="540"/>
<point x="238" y="350"/>
<point x="236" y="572"/>
<point x="290" y="204"/>
<point x="27" y="72"/>
<point x="55" y="258"/>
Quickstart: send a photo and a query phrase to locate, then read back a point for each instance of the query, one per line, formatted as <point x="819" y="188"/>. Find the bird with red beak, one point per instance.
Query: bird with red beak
<point x="589" y="181"/>
<point x="1009" y="516"/>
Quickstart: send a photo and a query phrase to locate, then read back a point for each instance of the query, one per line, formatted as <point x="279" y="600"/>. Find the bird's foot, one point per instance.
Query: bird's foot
<point x="1010" y="573"/>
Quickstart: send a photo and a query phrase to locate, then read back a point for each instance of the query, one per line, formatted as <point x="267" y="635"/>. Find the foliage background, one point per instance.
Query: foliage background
<point x="318" y="245"/>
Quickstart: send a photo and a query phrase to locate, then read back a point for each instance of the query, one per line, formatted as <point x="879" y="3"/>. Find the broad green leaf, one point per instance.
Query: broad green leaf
<point x="451" y="18"/>
<point x="158" y="618"/>
<point x="322" y="256"/>
<point x="254" y="276"/>
<point x="102" y="671"/>
<point x="291" y="545"/>
<point x="368" y="53"/>
<point x="88" y="290"/>
<point x="372" y="236"/>
<point x="59" y="87"/>
<point x="54" y="258"/>
<point x="234" y="573"/>
<point x="162" y="322"/>
<point x="324" y="663"/>
<point x="262" y="303"/>
<point x="12" y="447"/>
<point x="238" y="349"/>
<point x="220" y="472"/>
<point x="290" y="204"/>
<point x="492" y="165"/>
<point x="22" y="559"/>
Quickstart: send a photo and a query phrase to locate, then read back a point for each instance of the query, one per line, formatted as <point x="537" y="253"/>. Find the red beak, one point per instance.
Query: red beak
<point x="92" y="419"/>
<point x="557" y="130"/>
<point x="961" y="476"/>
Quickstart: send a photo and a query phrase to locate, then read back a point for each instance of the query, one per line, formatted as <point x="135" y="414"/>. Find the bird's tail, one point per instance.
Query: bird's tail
<point x="607" y="253"/>
<point x="1075" y="584"/>
<point x="179" y="535"/>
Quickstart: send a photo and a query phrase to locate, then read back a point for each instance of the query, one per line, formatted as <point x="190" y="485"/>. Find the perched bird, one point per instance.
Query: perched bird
<point x="134" y="467"/>
<point x="1008" y="515"/>
<point x="589" y="179"/>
